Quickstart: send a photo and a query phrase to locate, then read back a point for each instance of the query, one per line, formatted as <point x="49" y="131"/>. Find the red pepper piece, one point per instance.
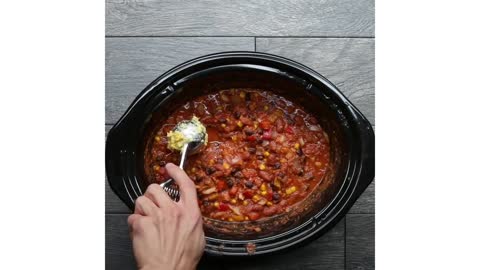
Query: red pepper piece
<point x="221" y="185"/>
<point x="289" y="129"/>
<point x="223" y="207"/>
<point x="248" y="194"/>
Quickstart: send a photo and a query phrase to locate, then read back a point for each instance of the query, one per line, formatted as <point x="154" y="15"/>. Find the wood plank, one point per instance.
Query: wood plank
<point x="112" y="203"/>
<point x="348" y="63"/>
<point x="366" y="203"/>
<point x="118" y="247"/>
<point x="360" y="241"/>
<point x="326" y="252"/>
<point x="132" y="63"/>
<point x="240" y="18"/>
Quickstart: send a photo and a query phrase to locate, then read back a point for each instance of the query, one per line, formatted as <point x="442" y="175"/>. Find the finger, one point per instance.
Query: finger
<point x="132" y="219"/>
<point x="144" y="206"/>
<point x="158" y="196"/>
<point x="188" y="192"/>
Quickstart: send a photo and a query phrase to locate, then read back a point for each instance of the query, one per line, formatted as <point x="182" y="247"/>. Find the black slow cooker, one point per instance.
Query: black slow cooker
<point x="351" y="142"/>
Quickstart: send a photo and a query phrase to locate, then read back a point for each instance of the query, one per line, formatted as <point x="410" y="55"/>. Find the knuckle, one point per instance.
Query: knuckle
<point x="160" y="216"/>
<point x="152" y="188"/>
<point x="139" y="225"/>
<point x="139" y="201"/>
<point x="176" y="213"/>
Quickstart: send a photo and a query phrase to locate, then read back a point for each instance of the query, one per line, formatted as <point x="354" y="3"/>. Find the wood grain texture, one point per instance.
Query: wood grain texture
<point x="132" y="63"/>
<point x="366" y="203"/>
<point x="112" y="203"/>
<point x="326" y="252"/>
<point x="360" y="242"/>
<point x="348" y="63"/>
<point x="118" y="247"/>
<point x="240" y="18"/>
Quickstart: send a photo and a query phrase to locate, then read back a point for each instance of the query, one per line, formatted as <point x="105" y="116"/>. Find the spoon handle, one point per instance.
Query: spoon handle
<point x="183" y="155"/>
<point x="171" y="191"/>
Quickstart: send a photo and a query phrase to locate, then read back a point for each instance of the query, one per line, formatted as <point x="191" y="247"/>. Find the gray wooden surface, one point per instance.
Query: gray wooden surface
<point x="334" y="37"/>
<point x="240" y="18"/>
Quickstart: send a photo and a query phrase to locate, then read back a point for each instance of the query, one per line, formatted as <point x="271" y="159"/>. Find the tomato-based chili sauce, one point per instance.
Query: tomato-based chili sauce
<point x="264" y="154"/>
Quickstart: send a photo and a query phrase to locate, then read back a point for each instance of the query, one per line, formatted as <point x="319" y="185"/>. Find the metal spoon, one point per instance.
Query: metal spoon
<point x="196" y="139"/>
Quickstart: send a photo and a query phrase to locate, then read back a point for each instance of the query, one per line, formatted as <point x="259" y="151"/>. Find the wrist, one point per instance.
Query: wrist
<point x="157" y="267"/>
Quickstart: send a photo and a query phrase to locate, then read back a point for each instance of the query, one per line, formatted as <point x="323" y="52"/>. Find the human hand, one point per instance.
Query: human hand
<point x="167" y="235"/>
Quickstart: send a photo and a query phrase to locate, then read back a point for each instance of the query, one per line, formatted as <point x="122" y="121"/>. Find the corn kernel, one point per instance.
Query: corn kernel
<point x="156" y="168"/>
<point x="234" y="138"/>
<point x="242" y="94"/>
<point x="255" y="124"/>
<point x="245" y="202"/>
<point x="276" y="183"/>
<point x="226" y="165"/>
<point x="318" y="164"/>
<point x="157" y="138"/>
<point x="239" y="124"/>
<point x="246" y="218"/>
<point x="283" y="160"/>
<point x="269" y="203"/>
<point x="263" y="192"/>
<point x="211" y="161"/>
<point x="230" y="219"/>
<point x="234" y="201"/>
<point x="238" y="218"/>
<point x="256" y="198"/>
<point x="266" y="153"/>
<point x="212" y="197"/>
<point x="265" y="107"/>
<point x="263" y="187"/>
<point x="223" y="125"/>
<point x="194" y="169"/>
<point x="297" y="146"/>
<point x="291" y="190"/>
<point x="216" y="204"/>
<point x="262" y="167"/>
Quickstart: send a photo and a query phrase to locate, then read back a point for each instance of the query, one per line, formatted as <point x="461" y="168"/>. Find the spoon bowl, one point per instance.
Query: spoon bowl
<point x="195" y="136"/>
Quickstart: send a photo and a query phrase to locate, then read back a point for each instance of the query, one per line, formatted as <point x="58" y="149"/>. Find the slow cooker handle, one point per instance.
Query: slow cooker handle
<point x="367" y="171"/>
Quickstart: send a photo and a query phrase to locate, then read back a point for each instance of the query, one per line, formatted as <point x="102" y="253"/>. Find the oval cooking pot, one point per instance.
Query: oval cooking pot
<point x="351" y="142"/>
